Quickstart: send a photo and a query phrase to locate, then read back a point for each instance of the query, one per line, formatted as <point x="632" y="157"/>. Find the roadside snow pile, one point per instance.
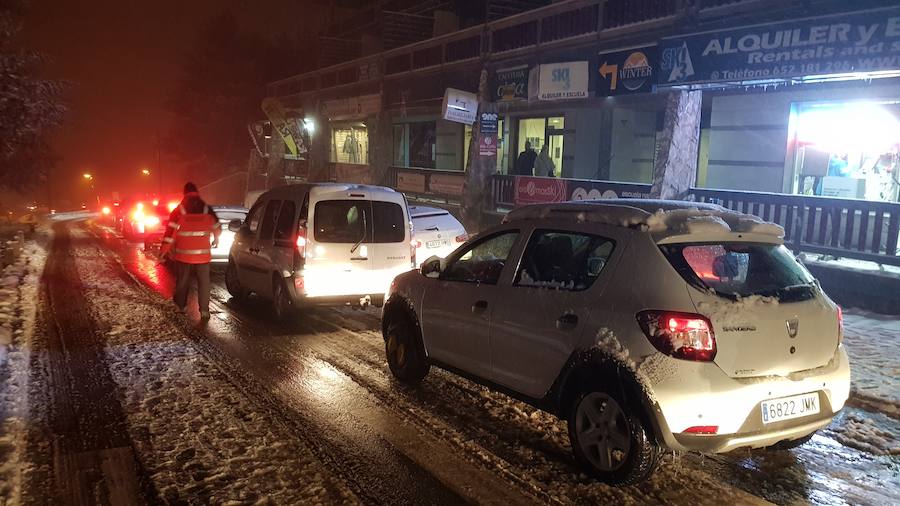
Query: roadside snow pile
<point x="199" y="438"/>
<point x="703" y="221"/>
<point x="18" y="308"/>
<point x="873" y="343"/>
<point x="863" y="433"/>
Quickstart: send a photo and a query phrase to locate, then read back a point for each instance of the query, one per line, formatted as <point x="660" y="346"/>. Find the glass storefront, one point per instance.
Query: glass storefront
<point x="847" y="149"/>
<point x="542" y="134"/>
<point x="415" y="144"/>
<point x="349" y="143"/>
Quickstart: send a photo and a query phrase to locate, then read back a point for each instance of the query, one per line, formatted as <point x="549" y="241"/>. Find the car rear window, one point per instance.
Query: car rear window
<point x="352" y="221"/>
<point x="740" y="269"/>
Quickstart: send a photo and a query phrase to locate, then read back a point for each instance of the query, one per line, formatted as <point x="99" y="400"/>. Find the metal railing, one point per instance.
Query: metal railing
<point x="848" y="228"/>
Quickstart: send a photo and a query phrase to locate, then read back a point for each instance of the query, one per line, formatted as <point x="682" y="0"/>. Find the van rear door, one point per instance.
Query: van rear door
<point x="337" y="255"/>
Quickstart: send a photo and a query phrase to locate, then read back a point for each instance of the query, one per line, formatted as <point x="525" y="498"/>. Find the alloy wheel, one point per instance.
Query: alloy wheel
<point x="602" y="431"/>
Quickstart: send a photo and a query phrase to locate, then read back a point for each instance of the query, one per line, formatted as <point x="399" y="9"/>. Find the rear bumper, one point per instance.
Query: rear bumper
<point x="733" y="405"/>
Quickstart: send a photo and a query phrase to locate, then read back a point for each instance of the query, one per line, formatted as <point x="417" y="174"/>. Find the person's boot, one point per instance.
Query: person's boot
<point x="204" y="315"/>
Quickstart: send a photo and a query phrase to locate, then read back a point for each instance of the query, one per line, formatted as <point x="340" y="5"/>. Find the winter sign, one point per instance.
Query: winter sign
<point x="624" y="72"/>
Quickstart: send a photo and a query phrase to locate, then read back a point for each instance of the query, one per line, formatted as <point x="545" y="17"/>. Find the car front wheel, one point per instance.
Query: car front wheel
<point x="284" y="306"/>
<point x="609" y="440"/>
<point x="404" y="350"/>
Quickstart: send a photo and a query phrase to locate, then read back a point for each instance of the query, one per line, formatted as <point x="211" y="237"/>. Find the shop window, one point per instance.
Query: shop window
<point x="848" y="149"/>
<point x="349" y="143"/>
<point x="540" y="133"/>
<point x="415" y="144"/>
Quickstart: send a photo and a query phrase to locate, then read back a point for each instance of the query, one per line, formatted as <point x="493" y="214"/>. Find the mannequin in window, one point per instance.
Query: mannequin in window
<point x="543" y="164"/>
<point x="351" y="147"/>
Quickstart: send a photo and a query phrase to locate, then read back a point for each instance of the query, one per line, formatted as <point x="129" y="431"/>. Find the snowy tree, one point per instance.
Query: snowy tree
<point x="29" y="106"/>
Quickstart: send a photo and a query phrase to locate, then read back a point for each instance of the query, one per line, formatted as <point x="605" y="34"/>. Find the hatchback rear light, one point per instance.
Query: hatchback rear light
<point x="686" y="336"/>
<point x="840" y="318"/>
<point x="462" y="238"/>
<point x="702" y="429"/>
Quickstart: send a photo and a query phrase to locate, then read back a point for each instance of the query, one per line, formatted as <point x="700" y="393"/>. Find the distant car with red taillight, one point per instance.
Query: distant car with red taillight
<point x="647" y="325"/>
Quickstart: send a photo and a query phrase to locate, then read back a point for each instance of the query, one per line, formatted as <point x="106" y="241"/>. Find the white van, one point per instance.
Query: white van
<point x="321" y="244"/>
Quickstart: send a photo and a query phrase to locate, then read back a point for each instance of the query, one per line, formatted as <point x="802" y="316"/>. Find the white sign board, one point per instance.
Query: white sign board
<point x="460" y="106"/>
<point x="844" y="187"/>
<point x="560" y="81"/>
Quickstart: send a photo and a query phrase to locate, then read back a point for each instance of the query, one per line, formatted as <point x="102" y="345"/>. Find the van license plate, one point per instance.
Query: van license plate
<point x="435" y="244"/>
<point x="786" y="408"/>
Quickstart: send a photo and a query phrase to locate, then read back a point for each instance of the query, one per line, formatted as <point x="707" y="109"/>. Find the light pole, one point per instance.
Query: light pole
<point x="90" y="179"/>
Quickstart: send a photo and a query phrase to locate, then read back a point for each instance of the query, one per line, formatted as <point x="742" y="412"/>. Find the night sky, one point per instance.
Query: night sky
<point x="123" y="58"/>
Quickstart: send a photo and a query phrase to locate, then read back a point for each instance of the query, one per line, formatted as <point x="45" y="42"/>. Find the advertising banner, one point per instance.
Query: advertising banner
<point x="863" y="41"/>
<point x="277" y="115"/>
<point x="459" y="106"/>
<point x="540" y="190"/>
<point x="594" y="190"/>
<point x="411" y="182"/>
<point x="561" y="81"/>
<point x="624" y="72"/>
<point x="511" y="84"/>
<point x="446" y="184"/>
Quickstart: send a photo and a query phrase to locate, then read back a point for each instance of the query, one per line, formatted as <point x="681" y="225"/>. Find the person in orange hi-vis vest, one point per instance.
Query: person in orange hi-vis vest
<point x="192" y="232"/>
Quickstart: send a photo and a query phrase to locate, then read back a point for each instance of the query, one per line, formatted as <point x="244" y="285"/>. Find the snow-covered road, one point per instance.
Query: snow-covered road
<point x="244" y="408"/>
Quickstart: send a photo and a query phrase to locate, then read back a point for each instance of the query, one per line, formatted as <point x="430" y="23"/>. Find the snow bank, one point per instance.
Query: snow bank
<point x="18" y="310"/>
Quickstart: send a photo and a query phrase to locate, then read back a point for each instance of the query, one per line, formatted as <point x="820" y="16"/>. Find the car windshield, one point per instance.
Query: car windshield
<point x="740" y="269"/>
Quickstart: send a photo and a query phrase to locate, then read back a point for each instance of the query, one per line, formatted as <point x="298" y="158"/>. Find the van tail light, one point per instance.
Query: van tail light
<point x="462" y="238"/>
<point x="301" y="242"/>
<point x="840" y="321"/>
<point x="414" y="245"/>
<point x="686" y="336"/>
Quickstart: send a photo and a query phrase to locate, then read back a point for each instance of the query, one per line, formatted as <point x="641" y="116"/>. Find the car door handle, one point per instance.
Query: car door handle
<point x="480" y="306"/>
<point x="567" y="321"/>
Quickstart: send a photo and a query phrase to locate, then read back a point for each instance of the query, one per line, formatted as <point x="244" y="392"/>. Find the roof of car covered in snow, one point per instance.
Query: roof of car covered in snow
<point x="665" y="220"/>
<point x="302" y="188"/>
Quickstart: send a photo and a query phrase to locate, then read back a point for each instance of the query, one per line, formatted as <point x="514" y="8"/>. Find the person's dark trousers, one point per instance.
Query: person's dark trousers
<point x="185" y="272"/>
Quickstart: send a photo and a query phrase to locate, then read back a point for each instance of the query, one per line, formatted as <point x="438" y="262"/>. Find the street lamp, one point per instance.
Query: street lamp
<point x="90" y="178"/>
<point x="87" y="176"/>
<point x="145" y="172"/>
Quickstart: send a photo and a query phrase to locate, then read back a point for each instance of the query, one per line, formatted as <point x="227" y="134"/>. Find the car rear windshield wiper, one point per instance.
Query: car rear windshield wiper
<point x="365" y="232"/>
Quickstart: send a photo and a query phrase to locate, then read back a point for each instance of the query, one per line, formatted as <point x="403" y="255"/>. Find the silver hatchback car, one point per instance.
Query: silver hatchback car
<point x="647" y="325"/>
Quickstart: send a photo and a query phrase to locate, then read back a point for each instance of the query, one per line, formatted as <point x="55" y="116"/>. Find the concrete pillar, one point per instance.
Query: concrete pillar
<point x="675" y="166"/>
<point x="380" y="132"/>
<point x="480" y="169"/>
<point x="320" y="149"/>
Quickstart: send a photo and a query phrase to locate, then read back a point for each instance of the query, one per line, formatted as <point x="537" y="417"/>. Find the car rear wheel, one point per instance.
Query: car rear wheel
<point x="281" y="300"/>
<point x="609" y="440"/>
<point x="233" y="282"/>
<point x="404" y="351"/>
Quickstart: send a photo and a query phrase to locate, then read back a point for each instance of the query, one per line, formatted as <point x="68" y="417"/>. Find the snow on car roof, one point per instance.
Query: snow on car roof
<point x="666" y="220"/>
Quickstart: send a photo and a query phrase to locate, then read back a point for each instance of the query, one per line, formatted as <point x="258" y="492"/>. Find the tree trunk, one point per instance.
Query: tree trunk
<point x="480" y="169"/>
<point x="675" y="167"/>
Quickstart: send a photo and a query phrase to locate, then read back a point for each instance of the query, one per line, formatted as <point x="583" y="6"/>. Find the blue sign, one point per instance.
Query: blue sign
<point x="864" y="41"/>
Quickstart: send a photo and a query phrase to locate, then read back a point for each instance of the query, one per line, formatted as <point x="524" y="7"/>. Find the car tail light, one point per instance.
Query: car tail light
<point x="462" y="238"/>
<point x="106" y="210"/>
<point x="299" y="283"/>
<point x="686" y="336"/>
<point x="171" y="206"/>
<point x="301" y="241"/>
<point x="702" y="429"/>
<point x="415" y="243"/>
<point x="840" y="318"/>
<point x="155" y="202"/>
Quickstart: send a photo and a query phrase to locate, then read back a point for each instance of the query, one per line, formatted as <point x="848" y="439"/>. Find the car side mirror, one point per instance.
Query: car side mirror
<point x="235" y="225"/>
<point x="431" y="268"/>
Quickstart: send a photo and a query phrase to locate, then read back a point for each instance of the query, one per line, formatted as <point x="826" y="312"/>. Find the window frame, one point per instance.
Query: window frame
<point x="290" y="229"/>
<point x="535" y="232"/>
<point x="276" y="206"/>
<point x="458" y="255"/>
<point x="259" y="207"/>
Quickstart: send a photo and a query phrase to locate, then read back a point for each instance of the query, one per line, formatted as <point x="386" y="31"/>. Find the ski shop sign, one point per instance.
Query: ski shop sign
<point x="561" y="81"/>
<point x="460" y="106"/>
<point x="866" y="41"/>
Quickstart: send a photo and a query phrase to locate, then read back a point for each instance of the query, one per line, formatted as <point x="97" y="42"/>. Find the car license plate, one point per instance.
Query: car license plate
<point x="435" y="244"/>
<point x="786" y="408"/>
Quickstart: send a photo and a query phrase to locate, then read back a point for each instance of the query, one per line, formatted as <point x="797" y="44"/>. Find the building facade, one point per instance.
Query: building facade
<point x="797" y="97"/>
